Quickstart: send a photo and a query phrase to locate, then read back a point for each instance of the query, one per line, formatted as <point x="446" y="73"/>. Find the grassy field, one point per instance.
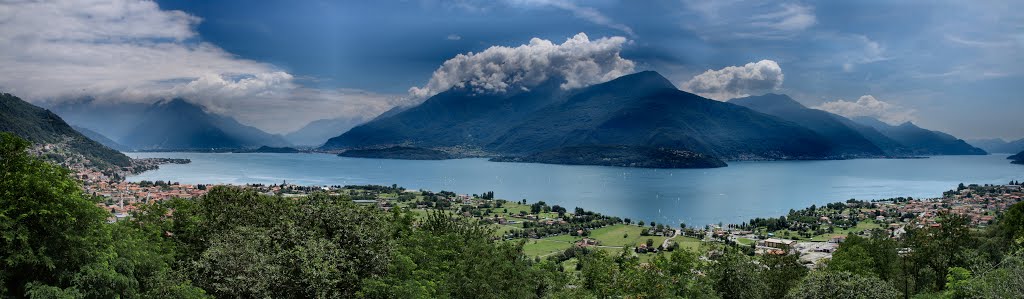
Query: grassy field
<point x="543" y="247"/>
<point x="613" y="235"/>
<point x="688" y="242"/>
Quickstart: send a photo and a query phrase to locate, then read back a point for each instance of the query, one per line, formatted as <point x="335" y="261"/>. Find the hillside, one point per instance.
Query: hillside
<point x="844" y="139"/>
<point x="919" y="141"/>
<point x="180" y="125"/>
<point x="41" y="126"/>
<point x="642" y="109"/>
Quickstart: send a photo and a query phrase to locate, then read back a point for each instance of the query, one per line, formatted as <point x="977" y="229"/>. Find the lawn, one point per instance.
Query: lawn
<point x="543" y="247"/>
<point x="613" y="236"/>
<point x="500" y="230"/>
<point x="690" y="243"/>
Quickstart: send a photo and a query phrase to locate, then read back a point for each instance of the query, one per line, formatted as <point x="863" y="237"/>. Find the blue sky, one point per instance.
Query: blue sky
<point x="950" y="66"/>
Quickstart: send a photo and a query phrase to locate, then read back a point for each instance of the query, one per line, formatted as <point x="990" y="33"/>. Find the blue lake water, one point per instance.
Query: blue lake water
<point x="694" y="196"/>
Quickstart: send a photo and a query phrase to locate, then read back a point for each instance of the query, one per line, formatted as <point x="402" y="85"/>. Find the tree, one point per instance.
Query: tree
<point x="840" y="284"/>
<point x="735" y="275"/>
<point x="48" y="228"/>
<point x="782" y="273"/>
<point x="852" y="259"/>
<point x="240" y="243"/>
<point x="457" y="258"/>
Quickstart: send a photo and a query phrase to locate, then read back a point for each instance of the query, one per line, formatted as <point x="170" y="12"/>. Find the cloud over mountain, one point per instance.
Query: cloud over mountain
<point x="868" y="105"/>
<point x="579" y="60"/>
<point x="132" y="50"/>
<point x="737" y="81"/>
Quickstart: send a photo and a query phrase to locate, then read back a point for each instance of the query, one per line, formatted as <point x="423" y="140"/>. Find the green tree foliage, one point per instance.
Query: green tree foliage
<point x="1004" y="281"/>
<point x="840" y="284"/>
<point x="781" y="273"/>
<point x="449" y="257"/>
<point x="665" y="276"/>
<point x="736" y="275"/>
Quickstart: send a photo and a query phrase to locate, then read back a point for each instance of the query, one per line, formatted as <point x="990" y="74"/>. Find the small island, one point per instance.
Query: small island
<point x="271" y="149"/>
<point x="621" y="156"/>
<point x="398" y="152"/>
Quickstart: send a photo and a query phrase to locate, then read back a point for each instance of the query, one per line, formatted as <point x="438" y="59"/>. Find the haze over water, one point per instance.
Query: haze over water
<point x="695" y="196"/>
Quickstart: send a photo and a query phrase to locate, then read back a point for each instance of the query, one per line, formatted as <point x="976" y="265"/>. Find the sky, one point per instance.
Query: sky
<point x="954" y="66"/>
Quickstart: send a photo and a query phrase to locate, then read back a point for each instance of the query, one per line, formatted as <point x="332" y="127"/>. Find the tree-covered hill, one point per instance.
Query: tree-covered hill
<point x="44" y="127"/>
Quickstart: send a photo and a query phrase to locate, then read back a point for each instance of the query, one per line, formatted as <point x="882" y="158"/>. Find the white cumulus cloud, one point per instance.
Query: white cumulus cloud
<point x="578" y="61"/>
<point x="868" y="105"/>
<point x="132" y="50"/>
<point x="736" y="81"/>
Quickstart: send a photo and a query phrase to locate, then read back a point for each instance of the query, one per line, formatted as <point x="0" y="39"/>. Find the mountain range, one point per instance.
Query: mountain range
<point x="920" y="141"/>
<point x="41" y="126"/>
<point x="96" y="136"/>
<point x="174" y="124"/>
<point x="998" y="145"/>
<point x="862" y="136"/>
<point x="641" y="113"/>
<point x="317" y="132"/>
<point x="845" y="138"/>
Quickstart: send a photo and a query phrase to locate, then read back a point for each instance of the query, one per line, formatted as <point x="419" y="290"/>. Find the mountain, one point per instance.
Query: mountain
<point x="1017" y="158"/>
<point x="180" y="125"/>
<point x="110" y="119"/>
<point x="44" y="127"/>
<point x="455" y="117"/>
<point x="317" y="132"/>
<point x="100" y="138"/>
<point x="997" y="145"/>
<point x="919" y="141"/>
<point x="844" y="138"/>
<point x="645" y="109"/>
<point x="642" y="109"/>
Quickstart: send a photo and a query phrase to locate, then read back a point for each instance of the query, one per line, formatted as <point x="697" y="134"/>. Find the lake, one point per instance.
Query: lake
<point x="695" y="196"/>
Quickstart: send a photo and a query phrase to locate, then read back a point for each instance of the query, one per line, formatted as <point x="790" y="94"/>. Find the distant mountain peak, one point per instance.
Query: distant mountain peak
<point x="182" y="125"/>
<point x="908" y="124"/>
<point x="642" y="80"/>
